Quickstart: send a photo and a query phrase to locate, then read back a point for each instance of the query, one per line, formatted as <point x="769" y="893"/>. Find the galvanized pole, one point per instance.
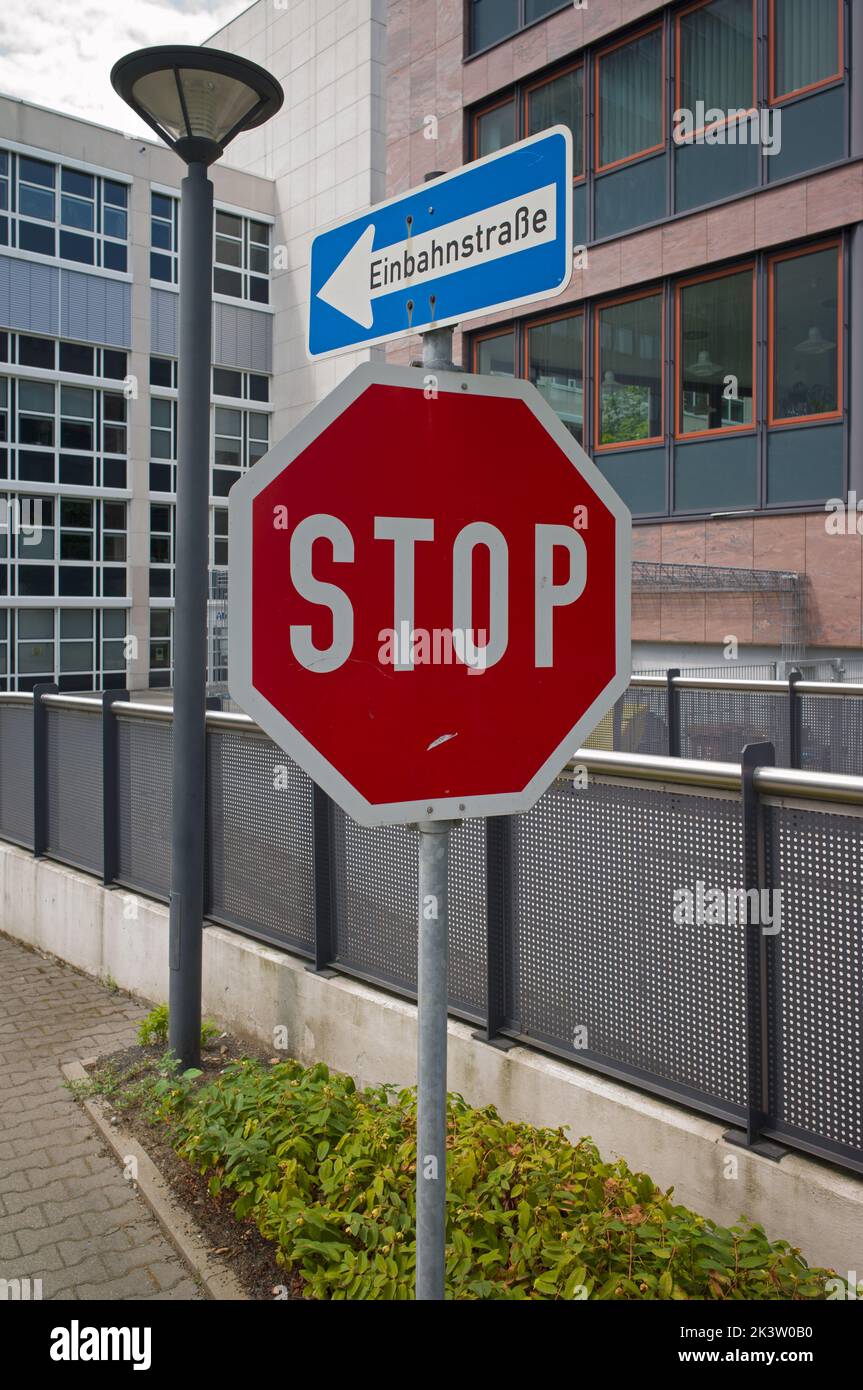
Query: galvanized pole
<point x="432" y="996"/>
<point x="190" y="615"/>
<point x="431" y="1058"/>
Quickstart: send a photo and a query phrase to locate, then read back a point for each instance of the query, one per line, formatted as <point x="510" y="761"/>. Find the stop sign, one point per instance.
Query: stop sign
<point x="429" y="595"/>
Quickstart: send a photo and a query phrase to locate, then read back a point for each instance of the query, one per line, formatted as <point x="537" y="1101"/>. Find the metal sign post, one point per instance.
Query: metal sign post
<point x="432" y="995"/>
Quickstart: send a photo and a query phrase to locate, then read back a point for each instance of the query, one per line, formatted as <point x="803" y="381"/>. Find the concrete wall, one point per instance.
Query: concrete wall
<point x="325" y="151"/>
<point x="253" y="989"/>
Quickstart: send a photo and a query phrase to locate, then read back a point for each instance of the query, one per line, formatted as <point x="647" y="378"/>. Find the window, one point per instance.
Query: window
<point x="716" y="353"/>
<point x="806" y="335"/>
<point x="559" y="101"/>
<point x="242" y="258"/>
<point x="161" y="550"/>
<point x="495" y="128"/>
<point x="35" y="645"/>
<point x="4" y="198"/>
<point x="628" y="371"/>
<point x="494" y="354"/>
<point x="36" y="413"/>
<point x="716" y="43"/>
<point x="113" y="647"/>
<point x="164" y="238"/>
<point x="163" y="372"/>
<point x="554" y="352"/>
<point x="76" y="358"/>
<point x="490" y="21"/>
<point x="630" y="99"/>
<point x="67" y="212"/>
<point x="240" y="385"/>
<point x="219" y="537"/>
<point x="163" y="444"/>
<point x="76" y="418"/>
<point x="160" y="646"/>
<point x="241" y="438"/>
<point x="36" y="352"/>
<point x="806" y="46"/>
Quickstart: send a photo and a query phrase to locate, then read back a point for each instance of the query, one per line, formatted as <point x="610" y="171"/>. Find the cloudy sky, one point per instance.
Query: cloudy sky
<point x="59" y="53"/>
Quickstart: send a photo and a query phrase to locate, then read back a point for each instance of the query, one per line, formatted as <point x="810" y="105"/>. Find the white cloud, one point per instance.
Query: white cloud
<point x="59" y="53"/>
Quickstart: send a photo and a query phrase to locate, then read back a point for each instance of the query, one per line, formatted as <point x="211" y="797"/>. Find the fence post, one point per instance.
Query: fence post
<point x="323" y="834"/>
<point x="673" y="712"/>
<point x="795" y="720"/>
<point x="499" y="916"/>
<point x="40" y="767"/>
<point x="755" y="755"/>
<point x="110" y="789"/>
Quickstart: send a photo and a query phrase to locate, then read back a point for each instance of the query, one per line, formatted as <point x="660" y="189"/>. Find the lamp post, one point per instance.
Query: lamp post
<point x="196" y="100"/>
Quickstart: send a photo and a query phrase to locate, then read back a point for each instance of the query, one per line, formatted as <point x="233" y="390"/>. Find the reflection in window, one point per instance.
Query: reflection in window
<point x="716" y="56"/>
<point x="495" y="356"/>
<point x="495" y="129"/>
<point x="560" y="102"/>
<point x="806" y="48"/>
<point x="715" y="354"/>
<point x="555" y="366"/>
<point x="629" y="371"/>
<point x="807" y="328"/>
<point x="630" y="99"/>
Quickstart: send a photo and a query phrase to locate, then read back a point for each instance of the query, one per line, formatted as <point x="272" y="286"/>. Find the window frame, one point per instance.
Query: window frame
<point x="679" y="286"/>
<point x="832" y="243"/>
<point x="655" y="292"/>
<point x="775" y="98"/>
<point x="481" y="111"/>
<point x="556" y="316"/>
<point x="97" y="235"/>
<point x="545" y="81"/>
<point x="678" y="73"/>
<point x="487" y="335"/>
<point x="598" y="56"/>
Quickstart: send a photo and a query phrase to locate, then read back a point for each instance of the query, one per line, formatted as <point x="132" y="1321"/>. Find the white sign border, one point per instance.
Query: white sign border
<point x="468" y="315"/>
<point x="280" y="729"/>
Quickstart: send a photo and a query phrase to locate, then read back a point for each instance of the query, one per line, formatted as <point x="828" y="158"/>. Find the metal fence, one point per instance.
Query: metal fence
<point x="816" y="726"/>
<point x="564" y="932"/>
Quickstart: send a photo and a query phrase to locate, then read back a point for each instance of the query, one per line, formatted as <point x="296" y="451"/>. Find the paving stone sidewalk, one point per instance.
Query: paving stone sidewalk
<point x="67" y="1215"/>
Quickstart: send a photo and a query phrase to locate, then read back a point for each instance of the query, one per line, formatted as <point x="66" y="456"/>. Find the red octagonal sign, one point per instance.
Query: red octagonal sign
<point x="429" y="595"/>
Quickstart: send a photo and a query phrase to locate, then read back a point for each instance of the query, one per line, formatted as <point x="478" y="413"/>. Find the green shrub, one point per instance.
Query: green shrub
<point x="327" y="1173"/>
<point x="154" y="1028"/>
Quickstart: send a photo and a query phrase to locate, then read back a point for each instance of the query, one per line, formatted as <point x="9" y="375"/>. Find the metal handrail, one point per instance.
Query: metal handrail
<point x="767" y="687"/>
<point x="769" y="781"/>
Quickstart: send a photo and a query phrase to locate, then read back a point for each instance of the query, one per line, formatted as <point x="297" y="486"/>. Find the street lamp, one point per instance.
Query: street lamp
<point x="196" y="100"/>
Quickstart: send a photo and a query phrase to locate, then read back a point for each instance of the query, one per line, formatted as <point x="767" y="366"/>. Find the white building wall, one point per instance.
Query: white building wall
<point x="325" y="151"/>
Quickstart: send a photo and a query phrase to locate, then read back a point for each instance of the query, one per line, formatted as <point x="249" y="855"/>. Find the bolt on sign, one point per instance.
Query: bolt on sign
<point x="430" y="595"/>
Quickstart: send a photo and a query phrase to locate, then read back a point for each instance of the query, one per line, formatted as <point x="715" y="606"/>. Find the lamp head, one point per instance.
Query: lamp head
<point x="196" y="99"/>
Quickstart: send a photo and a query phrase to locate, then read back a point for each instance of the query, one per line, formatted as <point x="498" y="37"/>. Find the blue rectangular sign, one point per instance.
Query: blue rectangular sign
<point x="491" y="235"/>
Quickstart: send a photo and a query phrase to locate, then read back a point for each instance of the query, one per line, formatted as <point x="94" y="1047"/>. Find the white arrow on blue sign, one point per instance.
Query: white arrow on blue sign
<point x="491" y="235"/>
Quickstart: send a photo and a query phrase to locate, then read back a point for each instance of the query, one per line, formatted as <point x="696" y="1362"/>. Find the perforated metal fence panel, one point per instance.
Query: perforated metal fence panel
<point x="16" y="773"/>
<point x="260" y="866"/>
<point x="599" y="969"/>
<point x="715" y="725"/>
<point x="375" y="887"/>
<point x="144" y="799"/>
<point x="816" y="980"/>
<point x="640" y="722"/>
<point x="832" y="734"/>
<point x="74" y="791"/>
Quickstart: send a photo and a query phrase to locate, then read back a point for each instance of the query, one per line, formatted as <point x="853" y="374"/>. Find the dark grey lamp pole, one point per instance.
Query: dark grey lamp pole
<point x="196" y="100"/>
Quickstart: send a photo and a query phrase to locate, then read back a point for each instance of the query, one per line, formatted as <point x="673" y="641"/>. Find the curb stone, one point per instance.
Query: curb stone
<point x="217" y="1281"/>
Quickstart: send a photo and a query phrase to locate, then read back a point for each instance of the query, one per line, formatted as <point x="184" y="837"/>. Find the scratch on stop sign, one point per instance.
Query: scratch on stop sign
<point x="436" y="743"/>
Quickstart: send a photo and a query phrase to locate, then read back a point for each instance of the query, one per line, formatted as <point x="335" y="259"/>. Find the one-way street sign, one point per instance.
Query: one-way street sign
<point x="491" y="235"/>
